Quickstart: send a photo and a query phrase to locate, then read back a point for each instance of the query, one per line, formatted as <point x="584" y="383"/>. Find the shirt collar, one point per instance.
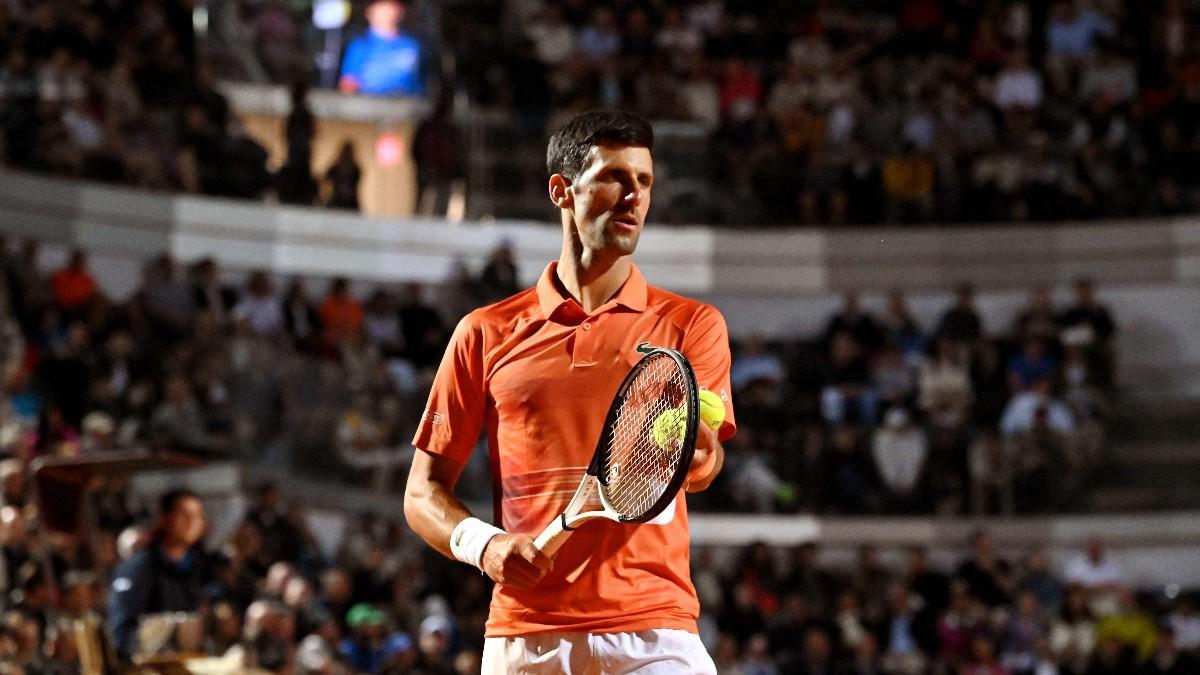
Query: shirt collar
<point x="632" y="295"/>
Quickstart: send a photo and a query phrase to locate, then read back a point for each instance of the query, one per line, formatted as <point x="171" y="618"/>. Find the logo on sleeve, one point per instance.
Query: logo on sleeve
<point x="434" y="417"/>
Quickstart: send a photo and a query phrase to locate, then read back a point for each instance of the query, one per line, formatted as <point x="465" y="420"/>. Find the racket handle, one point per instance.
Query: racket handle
<point x="552" y="537"/>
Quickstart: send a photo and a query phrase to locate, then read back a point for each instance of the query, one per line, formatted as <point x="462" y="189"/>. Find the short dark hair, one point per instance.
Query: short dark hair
<point x="567" y="151"/>
<point x="171" y="499"/>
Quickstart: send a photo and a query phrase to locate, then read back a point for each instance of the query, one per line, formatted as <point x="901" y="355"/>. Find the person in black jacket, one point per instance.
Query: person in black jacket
<point x="168" y="575"/>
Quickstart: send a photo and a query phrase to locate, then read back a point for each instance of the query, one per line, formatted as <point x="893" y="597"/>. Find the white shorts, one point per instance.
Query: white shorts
<point x="661" y="651"/>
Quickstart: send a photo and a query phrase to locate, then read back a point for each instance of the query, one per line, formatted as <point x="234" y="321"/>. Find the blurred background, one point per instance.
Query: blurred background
<point x="954" y="242"/>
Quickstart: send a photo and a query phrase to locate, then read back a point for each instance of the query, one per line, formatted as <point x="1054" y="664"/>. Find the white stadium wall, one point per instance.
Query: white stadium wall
<point x="779" y="283"/>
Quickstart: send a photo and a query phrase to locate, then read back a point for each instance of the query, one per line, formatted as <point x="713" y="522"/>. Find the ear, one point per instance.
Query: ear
<point x="560" y="191"/>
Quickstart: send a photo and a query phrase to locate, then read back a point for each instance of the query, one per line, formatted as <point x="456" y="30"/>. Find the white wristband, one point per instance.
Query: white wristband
<point x="469" y="538"/>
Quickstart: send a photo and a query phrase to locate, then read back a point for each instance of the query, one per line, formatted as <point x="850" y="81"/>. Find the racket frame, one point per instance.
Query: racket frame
<point x="594" y="480"/>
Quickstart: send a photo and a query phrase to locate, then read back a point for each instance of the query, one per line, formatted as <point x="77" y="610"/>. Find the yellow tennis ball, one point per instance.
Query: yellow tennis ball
<point x="671" y="424"/>
<point x="712" y="409"/>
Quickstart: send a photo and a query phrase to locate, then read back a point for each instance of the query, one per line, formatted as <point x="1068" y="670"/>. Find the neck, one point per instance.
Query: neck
<point x="386" y="32"/>
<point x="591" y="276"/>
<point x="175" y="550"/>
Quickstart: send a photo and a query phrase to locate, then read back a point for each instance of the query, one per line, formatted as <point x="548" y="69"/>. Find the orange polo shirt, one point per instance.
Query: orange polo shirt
<point x="538" y="374"/>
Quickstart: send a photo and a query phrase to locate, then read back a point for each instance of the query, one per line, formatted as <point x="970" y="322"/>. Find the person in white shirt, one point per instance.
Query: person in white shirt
<point x="1094" y="569"/>
<point x="900" y="449"/>
<point x="1018" y="85"/>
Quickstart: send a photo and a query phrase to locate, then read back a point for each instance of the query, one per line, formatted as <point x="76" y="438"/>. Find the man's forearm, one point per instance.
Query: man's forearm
<point x="432" y="511"/>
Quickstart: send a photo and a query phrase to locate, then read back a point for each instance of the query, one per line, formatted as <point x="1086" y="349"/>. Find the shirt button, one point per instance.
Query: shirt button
<point x="587" y="326"/>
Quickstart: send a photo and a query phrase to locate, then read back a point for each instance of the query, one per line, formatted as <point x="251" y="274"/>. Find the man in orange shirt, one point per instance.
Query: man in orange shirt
<point x="341" y="314"/>
<point x="73" y="285"/>
<point x="537" y="372"/>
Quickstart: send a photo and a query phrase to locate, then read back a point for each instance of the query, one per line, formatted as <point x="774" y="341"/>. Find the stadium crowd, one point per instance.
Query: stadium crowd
<point x="874" y="111"/>
<point x="834" y="112"/>
<point x="268" y="598"/>
<point x="877" y="414"/>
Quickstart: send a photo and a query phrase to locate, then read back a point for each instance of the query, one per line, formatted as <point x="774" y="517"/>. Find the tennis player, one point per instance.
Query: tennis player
<point x="537" y="372"/>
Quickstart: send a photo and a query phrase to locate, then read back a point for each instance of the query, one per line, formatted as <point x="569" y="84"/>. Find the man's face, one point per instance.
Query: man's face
<point x="186" y="522"/>
<point x="385" y="14"/>
<point x="610" y="199"/>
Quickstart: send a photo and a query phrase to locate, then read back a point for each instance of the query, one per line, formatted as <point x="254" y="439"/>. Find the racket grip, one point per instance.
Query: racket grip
<point x="552" y="537"/>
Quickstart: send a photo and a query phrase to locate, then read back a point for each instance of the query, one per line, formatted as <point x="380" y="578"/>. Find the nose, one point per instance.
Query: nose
<point x="633" y="195"/>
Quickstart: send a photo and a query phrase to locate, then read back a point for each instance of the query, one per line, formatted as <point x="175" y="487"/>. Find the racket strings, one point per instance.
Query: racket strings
<point x="640" y="469"/>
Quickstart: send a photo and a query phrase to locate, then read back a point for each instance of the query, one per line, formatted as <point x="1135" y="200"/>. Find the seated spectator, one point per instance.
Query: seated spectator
<point x="341" y="314"/>
<point x="1129" y="625"/>
<point x="1032" y="364"/>
<point x="902" y="636"/>
<point x="893" y="378"/>
<point x="986" y="575"/>
<point x="754" y="362"/>
<point x="209" y="294"/>
<point x="1022" y="411"/>
<point x="1093" y="570"/>
<point x="1037" y="579"/>
<point x="499" y="277"/>
<point x="73" y="286"/>
<point x="961" y="322"/>
<point x="902" y="329"/>
<point x="859" y="324"/>
<point x="168" y="575"/>
<point x="1019" y="85"/>
<point x="1168" y="659"/>
<point x="177" y="423"/>
<point x="1037" y="320"/>
<point x="259" y="310"/>
<point x="847" y="383"/>
<point x="899" y="449"/>
<point x="1184" y="621"/>
<point x="1088" y="324"/>
<point x="944" y="385"/>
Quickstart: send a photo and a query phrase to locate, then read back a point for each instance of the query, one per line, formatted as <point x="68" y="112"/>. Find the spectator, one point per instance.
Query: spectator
<point x="1184" y="621"/>
<point x="1037" y="320"/>
<point x="300" y="318"/>
<point x="859" y="324"/>
<point x="1038" y="580"/>
<point x="756" y="362"/>
<point x="343" y="176"/>
<point x="944" y="385"/>
<point x="209" y="294"/>
<point x="168" y="575"/>
<point x="1071" y="33"/>
<point x="847" y="383"/>
<point x="899" y="449"/>
<point x="1019" y="85"/>
<point x="385" y="60"/>
<point x="1073" y="633"/>
<point x="1023" y="410"/>
<point x="1032" y="364"/>
<point x="341" y="314"/>
<point x="1094" y="570"/>
<point x="961" y="322"/>
<point x="294" y="183"/>
<point x="499" y="277"/>
<point x="73" y="286"/>
<point x="259" y="310"/>
<point x="985" y="575"/>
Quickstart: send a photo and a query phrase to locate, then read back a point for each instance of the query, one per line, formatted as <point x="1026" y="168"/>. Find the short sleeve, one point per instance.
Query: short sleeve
<point x="453" y="417"/>
<point x="706" y="346"/>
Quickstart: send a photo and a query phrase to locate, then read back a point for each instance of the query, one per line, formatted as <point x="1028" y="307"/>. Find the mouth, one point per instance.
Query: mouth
<point x="626" y="221"/>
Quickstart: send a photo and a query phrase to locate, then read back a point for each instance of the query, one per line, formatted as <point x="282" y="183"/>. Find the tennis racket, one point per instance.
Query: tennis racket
<point x="644" y="451"/>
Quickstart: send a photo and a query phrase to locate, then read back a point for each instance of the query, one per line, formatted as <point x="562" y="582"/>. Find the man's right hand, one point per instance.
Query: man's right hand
<point x="513" y="560"/>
